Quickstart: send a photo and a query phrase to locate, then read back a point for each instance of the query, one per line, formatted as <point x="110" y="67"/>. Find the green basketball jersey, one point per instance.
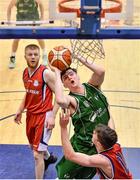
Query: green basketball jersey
<point x="27" y="10"/>
<point x="92" y="109"/>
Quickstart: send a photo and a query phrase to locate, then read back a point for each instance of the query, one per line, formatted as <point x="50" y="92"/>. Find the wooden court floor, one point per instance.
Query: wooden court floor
<point x="121" y="86"/>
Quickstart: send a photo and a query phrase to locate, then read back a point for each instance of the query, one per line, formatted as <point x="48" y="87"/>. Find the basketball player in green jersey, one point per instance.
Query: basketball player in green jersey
<point x="88" y="107"/>
<point x="27" y="10"/>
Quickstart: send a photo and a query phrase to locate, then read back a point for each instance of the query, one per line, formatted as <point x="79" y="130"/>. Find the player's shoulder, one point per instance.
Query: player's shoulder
<point x="48" y="71"/>
<point x="48" y="75"/>
<point x="25" y="70"/>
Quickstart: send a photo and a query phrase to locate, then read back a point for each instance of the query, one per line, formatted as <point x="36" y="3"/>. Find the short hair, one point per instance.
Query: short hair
<point x="64" y="71"/>
<point x="32" y="46"/>
<point x="106" y="136"/>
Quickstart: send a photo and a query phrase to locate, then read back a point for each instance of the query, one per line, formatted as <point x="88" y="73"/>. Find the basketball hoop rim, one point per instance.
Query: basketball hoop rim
<point x="116" y="9"/>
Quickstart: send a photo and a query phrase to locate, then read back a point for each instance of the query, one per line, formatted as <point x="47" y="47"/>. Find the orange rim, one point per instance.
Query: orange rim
<point x="116" y="9"/>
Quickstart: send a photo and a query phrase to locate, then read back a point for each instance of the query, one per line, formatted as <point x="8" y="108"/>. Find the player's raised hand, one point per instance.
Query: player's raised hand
<point x="50" y="122"/>
<point x="64" y="117"/>
<point x="53" y="68"/>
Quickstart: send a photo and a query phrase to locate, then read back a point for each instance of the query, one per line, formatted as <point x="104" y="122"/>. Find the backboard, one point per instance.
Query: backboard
<point x="76" y="19"/>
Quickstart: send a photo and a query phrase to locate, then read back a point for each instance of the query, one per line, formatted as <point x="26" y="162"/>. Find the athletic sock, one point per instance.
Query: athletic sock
<point x="47" y="155"/>
<point x="13" y="54"/>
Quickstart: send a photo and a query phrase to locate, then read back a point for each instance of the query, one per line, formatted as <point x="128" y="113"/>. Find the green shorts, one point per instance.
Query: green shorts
<point x="68" y="170"/>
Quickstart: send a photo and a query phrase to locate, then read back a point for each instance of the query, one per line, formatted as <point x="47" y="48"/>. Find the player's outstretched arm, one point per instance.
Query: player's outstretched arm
<point x="97" y="77"/>
<point x="62" y="99"/>
<point x="49" y="78"/>
<point x="70" y="154"/>
<point x="111" y="122"/>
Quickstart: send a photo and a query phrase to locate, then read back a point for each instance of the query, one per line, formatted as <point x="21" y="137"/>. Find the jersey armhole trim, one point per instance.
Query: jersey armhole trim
<point x="112" y="167"/>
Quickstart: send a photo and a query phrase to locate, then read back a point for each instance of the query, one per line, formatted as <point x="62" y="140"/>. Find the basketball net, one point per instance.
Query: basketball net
<point x="88" y="49"/>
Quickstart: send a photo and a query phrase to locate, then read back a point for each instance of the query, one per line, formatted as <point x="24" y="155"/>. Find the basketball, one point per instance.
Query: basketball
<point x="60" y="57"/>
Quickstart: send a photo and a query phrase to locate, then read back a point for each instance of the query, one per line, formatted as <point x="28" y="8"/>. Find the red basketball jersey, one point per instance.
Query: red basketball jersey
<point x="38" y="93"/>
<point x="119" y="168"/>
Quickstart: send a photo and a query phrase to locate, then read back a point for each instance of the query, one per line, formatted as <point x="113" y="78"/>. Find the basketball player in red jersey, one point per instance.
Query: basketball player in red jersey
<point x="40" y="116"/>
<point x="109" y="161"/>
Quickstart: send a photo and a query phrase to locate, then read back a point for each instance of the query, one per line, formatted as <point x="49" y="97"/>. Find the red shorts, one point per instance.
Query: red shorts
<point x="37" y="133"/>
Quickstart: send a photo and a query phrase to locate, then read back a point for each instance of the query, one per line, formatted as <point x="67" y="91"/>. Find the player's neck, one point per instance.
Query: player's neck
<point x="79" y="89"/>
<point x="99" y="148"/>
<point x="32" y="70"/>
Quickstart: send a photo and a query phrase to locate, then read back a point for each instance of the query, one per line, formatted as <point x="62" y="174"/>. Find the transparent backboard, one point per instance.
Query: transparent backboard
<point x="53" y="14"/>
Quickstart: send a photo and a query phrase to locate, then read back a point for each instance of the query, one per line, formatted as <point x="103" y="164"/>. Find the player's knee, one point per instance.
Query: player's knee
<point x="38" y="155"/>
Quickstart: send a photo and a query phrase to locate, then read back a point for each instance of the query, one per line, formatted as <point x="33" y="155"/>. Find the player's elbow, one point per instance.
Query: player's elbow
<point x="101" y="72"/>
<point x="61" y="102"/>
<point x="69" y="156"/>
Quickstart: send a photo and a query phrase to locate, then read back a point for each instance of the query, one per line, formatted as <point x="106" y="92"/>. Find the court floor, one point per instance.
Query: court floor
<point x="23" y="168"/>
<point x="121" y="86"/>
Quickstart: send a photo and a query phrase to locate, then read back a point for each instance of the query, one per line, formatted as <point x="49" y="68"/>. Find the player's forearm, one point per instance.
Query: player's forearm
<point x="70" y="154"/>
<point x="111" y="123"/>
<point x="92" y="66"/>
<point x="67" y="147"/>
<point x="59" y="93"/>
<point x="97" y="77"/>
<point x="55" y="109"/>
<point x="22" y="105"/>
